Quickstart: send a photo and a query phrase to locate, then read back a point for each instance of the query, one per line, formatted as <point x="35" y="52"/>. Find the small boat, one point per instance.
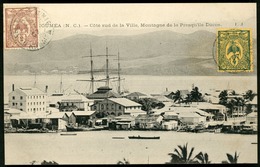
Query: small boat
<point x="118" y="137"/>
<point x="143" y="137"/>
<point x="71" y="128"/>
<point x="68" y="134"/>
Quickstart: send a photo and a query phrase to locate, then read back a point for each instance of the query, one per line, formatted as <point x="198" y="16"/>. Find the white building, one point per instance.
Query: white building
<point x="28" y="99"/>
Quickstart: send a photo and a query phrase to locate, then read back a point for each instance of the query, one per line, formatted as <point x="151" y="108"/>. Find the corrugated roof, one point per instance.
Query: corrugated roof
<point x="31" y="91"/>
<point x="188" y="114"/>
<point x="166" y="93"/>
<point x="136" y="94"/>
<point x="83" y="113"/>
<point x="74" y="97"/>
<point x="103" y="93"/>
<point x="13" y="111"/>
<point x="124" y="102"/>
<point x="56" y="115"/>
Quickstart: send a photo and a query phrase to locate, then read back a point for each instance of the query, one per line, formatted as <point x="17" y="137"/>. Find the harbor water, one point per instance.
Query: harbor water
<point x="99" y="147"/>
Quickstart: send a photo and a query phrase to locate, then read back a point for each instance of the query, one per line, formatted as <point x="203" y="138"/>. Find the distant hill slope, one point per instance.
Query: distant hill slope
<point x="156" y="53"/>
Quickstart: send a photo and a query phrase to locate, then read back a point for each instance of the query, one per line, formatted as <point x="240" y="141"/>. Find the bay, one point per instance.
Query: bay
<point x="98" y="147"/>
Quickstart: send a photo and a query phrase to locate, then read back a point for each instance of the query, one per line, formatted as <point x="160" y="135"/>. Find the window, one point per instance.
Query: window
<point x="40" y="109"/>
<point x="21" y="109"/>
<point x="107" y="107"/>
<point x="36" y="103"/>
<point x="119" y="107"/>
<point x="21" y="97"/>
<point x="13" y="104"/>
<point x="43" y="103"/>
<point x="40" y="103"/>
<point x="102" y="106"/>
<point x="28" y="103"/>
<point x="43" y="109"/>
<point x="28" y="109"/>
<point x="21" y="104"/>
<point x="33" y="103"/>
<point x="13" y="97"/>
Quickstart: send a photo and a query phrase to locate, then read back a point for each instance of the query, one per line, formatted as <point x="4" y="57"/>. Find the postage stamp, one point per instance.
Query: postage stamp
<point x="27" y="28"/>
<point x="234" y="50"/>
<point x="21" y="27"/>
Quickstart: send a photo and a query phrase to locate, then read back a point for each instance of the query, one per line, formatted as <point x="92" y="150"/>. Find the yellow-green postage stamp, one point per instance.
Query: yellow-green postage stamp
<point x="234" y="50"/>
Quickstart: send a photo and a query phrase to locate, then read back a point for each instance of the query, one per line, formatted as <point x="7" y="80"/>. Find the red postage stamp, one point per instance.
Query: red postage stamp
<point x="21" y="27"/>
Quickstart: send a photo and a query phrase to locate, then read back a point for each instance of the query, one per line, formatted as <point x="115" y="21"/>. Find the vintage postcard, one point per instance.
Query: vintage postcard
<point x="130" y="83"/>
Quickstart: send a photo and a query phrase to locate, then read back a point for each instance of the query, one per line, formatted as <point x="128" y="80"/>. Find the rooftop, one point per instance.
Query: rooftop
<point x="136" y="94"/>
<point x="31" y="91"/>
<point x="124" y="102"/>
<point x="103" y="93"/>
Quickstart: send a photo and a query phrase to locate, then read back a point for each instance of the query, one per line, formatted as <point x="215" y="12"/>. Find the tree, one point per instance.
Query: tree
<point x="148" y="104"/>
<point x="249" y="96"/>
<point x="196" y="96"/>
<point x="223" y="97"/>
<point x="177" y="96"/>
<point x="231" y="159"/>
<point x="203" y="158"/>
<point x="124" y="162"/>
<point x="182" y="156"/>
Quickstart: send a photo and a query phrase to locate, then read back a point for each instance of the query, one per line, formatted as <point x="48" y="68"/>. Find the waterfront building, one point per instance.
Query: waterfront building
<point x="219" y="111"/>
<point x="72" y="118"/>
<point x="251" y="118"/>
<point x="117" y="107"/>
<point x="253" y="103"/>
<point x="191" y="118"/>
<point x="75" y="102"/>
<point x="28" y="99"/>
<point x="122" y="122"/>
<point x="149" y="121"/>
<point x="136" y="96"/>
<point x="168" y="94"/>
<point x="7" y="120"/>
<point x="56" y="121"/>
<point x="102" y="93"/>
<point x="84" y="117"/>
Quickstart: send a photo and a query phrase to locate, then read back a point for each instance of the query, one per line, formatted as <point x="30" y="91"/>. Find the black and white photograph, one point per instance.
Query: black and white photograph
<point x="154" y="83"/>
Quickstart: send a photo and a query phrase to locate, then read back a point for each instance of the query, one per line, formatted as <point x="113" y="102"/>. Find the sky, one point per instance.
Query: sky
<point x="218" y="15"/>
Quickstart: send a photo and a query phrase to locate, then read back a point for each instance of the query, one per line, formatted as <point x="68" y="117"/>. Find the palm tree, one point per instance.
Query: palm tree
<point x="177" y="96"/>
<point x="203" y="158"/>
<point x="231" y="159"/>
<point x="223" y="97"/>
<point x="249" y="96"/>
<point x="182" y="156"/>
<point x="187" y="99"/>
<point x="196" y="96"/>
<point x="124" y="162"/>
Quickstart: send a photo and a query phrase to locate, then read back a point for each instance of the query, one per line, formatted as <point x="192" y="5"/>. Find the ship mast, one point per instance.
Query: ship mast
<point x="91" y="71"/>
<point x="118" y="73"/>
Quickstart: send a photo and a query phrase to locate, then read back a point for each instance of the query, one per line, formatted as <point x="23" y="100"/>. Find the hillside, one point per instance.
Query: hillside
<point x="156" y="53"/>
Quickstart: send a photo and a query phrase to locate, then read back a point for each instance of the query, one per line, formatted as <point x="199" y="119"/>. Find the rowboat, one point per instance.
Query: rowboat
<point x="143" y="137"/>
<point x="73" y="128"/>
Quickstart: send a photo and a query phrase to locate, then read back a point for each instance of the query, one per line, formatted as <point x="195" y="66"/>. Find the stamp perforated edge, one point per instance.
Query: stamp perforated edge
<point x="250" y="52"/>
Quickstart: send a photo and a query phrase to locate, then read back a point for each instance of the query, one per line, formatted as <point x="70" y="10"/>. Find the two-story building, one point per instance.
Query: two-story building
<point x="117" y="107"/>
<point x="75" y="102"/>
<point x="28" y="99"/>
<point x="102" y="93"/>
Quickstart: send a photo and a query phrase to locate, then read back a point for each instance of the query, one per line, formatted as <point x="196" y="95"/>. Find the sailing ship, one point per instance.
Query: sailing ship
<point x="107" y="79"/>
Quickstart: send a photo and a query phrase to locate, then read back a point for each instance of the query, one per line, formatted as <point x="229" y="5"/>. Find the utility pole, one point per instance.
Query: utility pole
<point x="61" y="83"/>
<point x="34" y="85"/>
